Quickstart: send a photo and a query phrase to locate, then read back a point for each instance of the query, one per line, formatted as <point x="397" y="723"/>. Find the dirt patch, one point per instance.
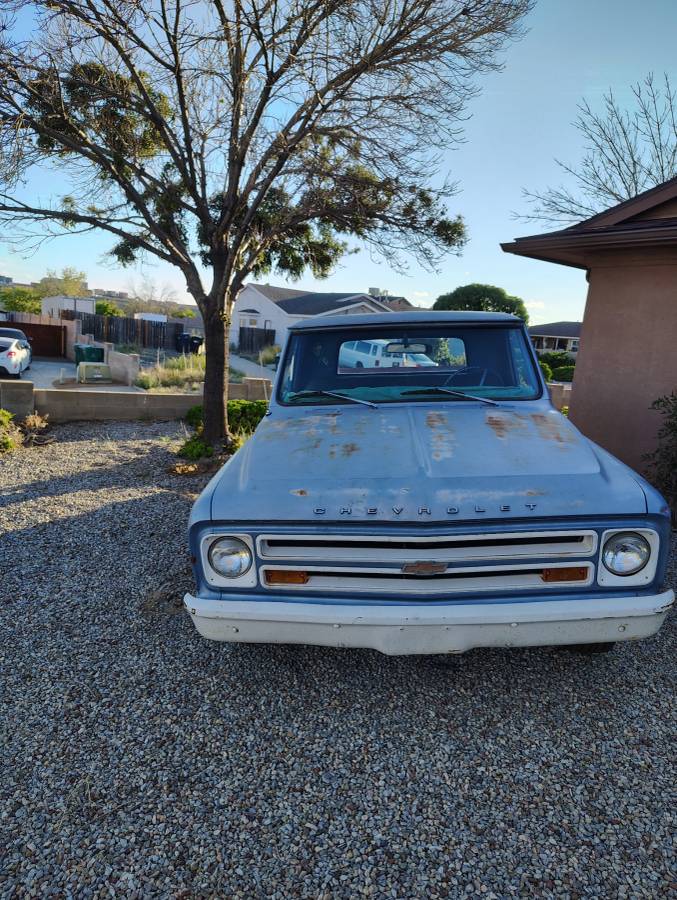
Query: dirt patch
<point x="167" y="600"/>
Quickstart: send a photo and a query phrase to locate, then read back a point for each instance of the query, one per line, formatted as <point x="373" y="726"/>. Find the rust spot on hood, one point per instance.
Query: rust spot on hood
<point x="349" y="449"/>
<point x="549" y="429"/>
<point x="443" y="442"/>
<point x="502" y="425"/>
<point x="299" y="492"/>
<point x="435" y="419"/>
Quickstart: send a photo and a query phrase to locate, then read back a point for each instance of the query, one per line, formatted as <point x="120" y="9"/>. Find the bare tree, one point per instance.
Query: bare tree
<point x="237" y="137"/>
<point x="626" y="152"/>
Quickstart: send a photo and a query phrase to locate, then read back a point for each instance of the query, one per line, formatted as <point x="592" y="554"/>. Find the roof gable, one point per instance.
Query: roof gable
<point x="648" y="221"/>
<point x="648" y="202"/>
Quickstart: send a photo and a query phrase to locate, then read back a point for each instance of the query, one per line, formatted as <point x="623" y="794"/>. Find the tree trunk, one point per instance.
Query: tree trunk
<point x="215" y="398"/>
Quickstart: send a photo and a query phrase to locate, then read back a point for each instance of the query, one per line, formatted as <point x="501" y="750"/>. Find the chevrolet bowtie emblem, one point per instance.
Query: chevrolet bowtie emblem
<point x="424" y="568"/>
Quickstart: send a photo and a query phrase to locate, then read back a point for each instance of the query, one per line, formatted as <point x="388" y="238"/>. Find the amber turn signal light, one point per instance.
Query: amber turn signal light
<point x="566" y="573"/>
<point x="281" y="576"/>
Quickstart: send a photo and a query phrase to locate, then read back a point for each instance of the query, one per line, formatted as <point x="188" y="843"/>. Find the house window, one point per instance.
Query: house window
<point x="574" y="346"/>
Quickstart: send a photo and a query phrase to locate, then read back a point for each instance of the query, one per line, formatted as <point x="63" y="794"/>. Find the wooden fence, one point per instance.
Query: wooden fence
<point x="122" y="330"/>
<point x="254" y="339"/>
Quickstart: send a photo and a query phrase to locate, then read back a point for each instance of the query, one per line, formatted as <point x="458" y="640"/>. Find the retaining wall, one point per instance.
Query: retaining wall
<point x="73" y="405"/>
<point x="16" y="397"/>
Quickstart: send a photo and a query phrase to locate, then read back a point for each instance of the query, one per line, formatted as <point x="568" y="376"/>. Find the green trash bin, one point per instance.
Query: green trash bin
<point x="87" y="353"/>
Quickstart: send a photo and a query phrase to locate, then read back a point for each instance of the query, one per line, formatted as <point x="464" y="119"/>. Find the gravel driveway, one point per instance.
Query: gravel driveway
<point x="140" y="760"/>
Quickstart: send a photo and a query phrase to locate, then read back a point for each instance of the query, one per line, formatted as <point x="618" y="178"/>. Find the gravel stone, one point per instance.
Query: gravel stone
<point x="140" y="760"/>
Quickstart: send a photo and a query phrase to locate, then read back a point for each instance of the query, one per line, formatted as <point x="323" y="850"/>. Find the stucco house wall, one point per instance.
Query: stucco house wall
<point x="629" y="353"/>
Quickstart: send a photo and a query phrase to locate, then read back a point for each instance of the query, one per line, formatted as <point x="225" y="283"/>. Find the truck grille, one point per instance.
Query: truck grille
<point x="430" y="565"/>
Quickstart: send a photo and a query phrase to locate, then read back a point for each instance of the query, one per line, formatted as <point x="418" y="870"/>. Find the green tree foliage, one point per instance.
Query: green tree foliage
<point x="14" y="299"/>
<point x="182" y="312"/>
<point x="70" y="283"/>
<point x="482" y="298"/>
<point x="240" y="138"/>
<point x="106" y="308"/>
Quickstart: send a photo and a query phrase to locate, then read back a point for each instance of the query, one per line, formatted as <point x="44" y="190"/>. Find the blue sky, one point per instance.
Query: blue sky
<point x="518" y="125"/>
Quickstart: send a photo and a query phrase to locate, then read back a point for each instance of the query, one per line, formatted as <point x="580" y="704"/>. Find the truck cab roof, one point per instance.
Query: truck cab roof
<point x="424" y="317"/>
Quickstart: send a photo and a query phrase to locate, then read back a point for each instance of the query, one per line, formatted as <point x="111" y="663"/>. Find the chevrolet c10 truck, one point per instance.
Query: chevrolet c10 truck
<point x="428" y="508"/>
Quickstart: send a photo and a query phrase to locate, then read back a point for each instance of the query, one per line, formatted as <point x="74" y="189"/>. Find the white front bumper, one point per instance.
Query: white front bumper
<point x="433" y="629"/>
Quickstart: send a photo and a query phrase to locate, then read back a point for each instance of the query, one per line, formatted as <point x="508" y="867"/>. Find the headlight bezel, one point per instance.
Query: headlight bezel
<point x="238" y="549"/>
<point x="248" y="578"/>
<point x="642" y="576"/>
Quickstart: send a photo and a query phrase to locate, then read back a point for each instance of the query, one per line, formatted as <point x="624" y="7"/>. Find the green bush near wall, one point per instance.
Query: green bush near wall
<point x="545" y="368"/>
<point x="243" y="415"/>
<point x="564" y="373"/>
<point x="556" y="359"/>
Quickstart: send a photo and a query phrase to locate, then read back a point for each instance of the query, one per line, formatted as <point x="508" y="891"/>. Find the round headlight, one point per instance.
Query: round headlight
<point x="626" y="553"/>
<point x="230" y="557"/>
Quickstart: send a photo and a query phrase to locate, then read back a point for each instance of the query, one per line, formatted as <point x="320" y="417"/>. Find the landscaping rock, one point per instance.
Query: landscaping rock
<point x="140" y="760"/>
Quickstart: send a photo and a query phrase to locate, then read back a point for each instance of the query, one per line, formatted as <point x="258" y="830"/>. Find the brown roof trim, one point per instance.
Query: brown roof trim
<point x="662" y="193"/>
<point x="570" y="247"/>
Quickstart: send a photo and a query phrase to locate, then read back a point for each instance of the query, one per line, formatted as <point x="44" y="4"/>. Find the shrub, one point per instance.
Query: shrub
<point x="564" y="373"/>
<point x="128" y="348"/>
<point x="545" y="368"/>
<point x="268" y="354"/>
<point x="33" y="426"/>
<point x="195" y="448"/>
<point x="194" y="417"/>
<point x="243" y="415"/>
<point x="185" y="372"/>
<point x="10" y="436"/>
<point x="662" y="463"/>
<point x="556" y="359"/>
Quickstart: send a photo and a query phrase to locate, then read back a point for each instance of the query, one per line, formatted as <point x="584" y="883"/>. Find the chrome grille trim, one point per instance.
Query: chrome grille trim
<point x="456" y="580"/>
<point x="402" y="549"/>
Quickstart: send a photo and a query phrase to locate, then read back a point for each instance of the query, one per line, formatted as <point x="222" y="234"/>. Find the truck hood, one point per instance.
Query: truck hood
<point x="420" y="463"/>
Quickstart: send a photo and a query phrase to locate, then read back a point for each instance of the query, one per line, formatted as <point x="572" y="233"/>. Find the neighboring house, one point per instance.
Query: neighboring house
<point x="52" y="306"/>
<point x="556" y="336"/>
<point x="264" y="306"/>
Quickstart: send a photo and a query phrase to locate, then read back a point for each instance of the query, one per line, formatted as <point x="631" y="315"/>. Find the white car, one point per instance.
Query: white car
<point x="14" y="358"/>
<point x="373" y="355"/>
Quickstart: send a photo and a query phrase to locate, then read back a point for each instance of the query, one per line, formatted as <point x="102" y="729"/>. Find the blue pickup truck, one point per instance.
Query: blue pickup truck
<point x="427" y="500"/>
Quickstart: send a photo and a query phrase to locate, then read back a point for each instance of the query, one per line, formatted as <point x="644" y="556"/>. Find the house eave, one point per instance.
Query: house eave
<point x="575" y="248"/>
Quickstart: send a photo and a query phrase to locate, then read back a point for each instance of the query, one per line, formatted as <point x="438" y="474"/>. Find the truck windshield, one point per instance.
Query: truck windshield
<point x="389" y="365"/>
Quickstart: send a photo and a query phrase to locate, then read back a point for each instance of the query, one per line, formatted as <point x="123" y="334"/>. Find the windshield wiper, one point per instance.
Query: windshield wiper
<point x="459" y="394"/>
<point x="301" y="394"/>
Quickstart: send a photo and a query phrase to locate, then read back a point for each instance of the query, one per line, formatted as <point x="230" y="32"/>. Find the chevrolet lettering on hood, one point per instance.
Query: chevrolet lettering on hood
<point x="422" y="511"/>
<point x="413" y="490"/>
